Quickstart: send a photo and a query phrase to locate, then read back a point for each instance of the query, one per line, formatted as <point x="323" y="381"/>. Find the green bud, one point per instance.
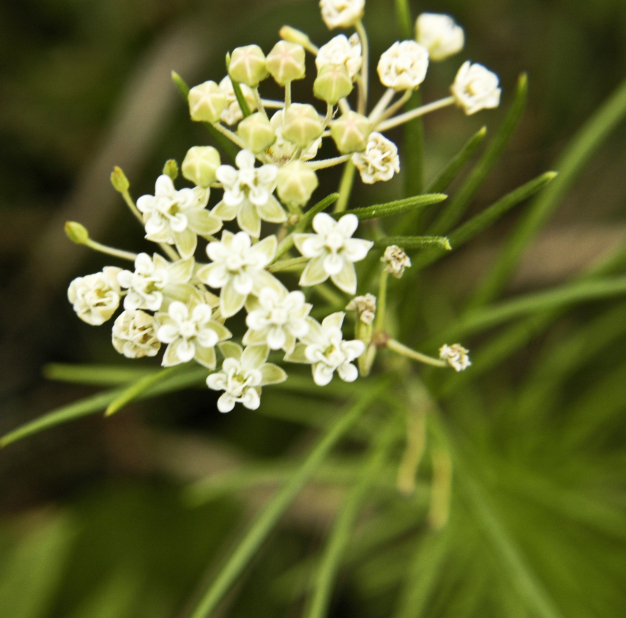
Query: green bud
<point x="76" y="232"/>
<point x="171" y="169"/>
<point x="256" y="132"/>
<point x="207" y="102"/>
<point x="200" y="165"/>
<point x="296" y="183"/>
<point x="332" y="83"/>
<point x="247" y="65"/>
<point x="302" y="124"/>
<point x="286" y="62"/>
<point x="350" y="132"/>
<point x="119" y="181"/>
<point x="295" y="36"/>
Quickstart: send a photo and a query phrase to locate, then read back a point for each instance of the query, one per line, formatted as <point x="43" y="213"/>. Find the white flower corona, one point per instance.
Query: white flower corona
<point x="475" y="87"/>
<point x="276" y="318"/>
<point x="333" y="251"/>
<point x="232" y="114"/>
<point x="248" y="194"/>
<point x="341" y="13"/>
<point x="403" y="66"/>
<point x="396" y="259"/>
<point x="134" y="334"/>
<point x="243" y="374"/>
<point x="341" y="50"/>
<point x="96" y="297"/>
<point x="177" y="217"/>
<point x="456" y="356"/>
<point x="282" y="150"/>
<point x="440" y="34"/>
<point x="379" y="161"/>
<point x="324" y="348"/>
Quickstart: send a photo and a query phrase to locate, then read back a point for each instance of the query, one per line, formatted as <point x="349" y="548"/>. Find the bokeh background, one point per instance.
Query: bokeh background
<point x="91" y="517"/>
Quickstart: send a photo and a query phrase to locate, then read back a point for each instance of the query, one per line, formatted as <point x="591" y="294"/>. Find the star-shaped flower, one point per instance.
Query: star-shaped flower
<point x="403" y="66"/>
<point x="475" y="87"/>
<point x="96" y="297"/>
<point x="134" y="334"/>
<point x="379" y="161"/>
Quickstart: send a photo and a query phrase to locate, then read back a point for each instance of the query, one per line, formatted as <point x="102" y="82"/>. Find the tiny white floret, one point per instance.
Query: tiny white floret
<point x="134" y="334"/>
<point x="440" y="34"/>
<point x="365" y="306"/>
<point x="282" y="151"/>
<point x="379" y="161"/>
<point x="96" y="297"/>
<point x="403" y="66"/>
<point x="475" y="87"/>
<point x="341" y="50"/>
<point x="341" y="13"/>
<point x="396" y="261"/>
<point x="456" y="356"/>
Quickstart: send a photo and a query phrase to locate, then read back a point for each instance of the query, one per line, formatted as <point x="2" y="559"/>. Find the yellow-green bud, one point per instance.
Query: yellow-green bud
<point x="171" y="169"/>
<point x="296" y="183"/>
<point x="256" y="132"/>
<point x="302" y="124"/>
<point x="350" y="132"/>
<point x="295" y="36"/>
<point x="286" y="62"/>
<point x="76" y="232"/>
<point x="200" y="165"/>
<point x="332" y="83"/>
<point x="247" y="65"/>
<point x="119" y="181"/>
<point x="207" y="101"/>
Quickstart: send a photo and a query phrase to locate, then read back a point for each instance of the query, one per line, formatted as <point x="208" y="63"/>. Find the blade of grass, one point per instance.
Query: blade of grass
<point x="393" y="208"/>
<point x="95" y="375"/>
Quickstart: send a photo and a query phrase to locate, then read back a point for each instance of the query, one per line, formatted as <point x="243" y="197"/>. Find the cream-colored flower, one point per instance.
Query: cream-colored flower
<point x="177" y="217"/>
<point x="333" y="251"/>
<point x="440" y="34"/>
<point x="96" y="297"/>
<point x="456" y="356"/>
<point x="243" y="374"/>
<point x="248" y="194"/>
<point x="341" y="13"/>
<point x="341" y="50"/>
<point x="323" y="347"/>
<point x="397" y="260"/>
<point x="403" y="66"/>
<point x="134" y="334"/>
<point x="379" y="161"/>
<point x="282" y="150"/>
<point x="232" y="114"/>
<point x="476" y="87"/>
<point x="365" y="306"/>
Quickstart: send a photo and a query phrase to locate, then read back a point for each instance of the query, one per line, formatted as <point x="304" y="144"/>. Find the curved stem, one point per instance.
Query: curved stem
<point x="392" y="109"/>
<point x="233" y="137"/>
<point x="363" y="85"/>
<point x="96" y="246"/>
<point x="345" y="187"/>
<point x="415" y="113"/>
<point x="403" y="350"/>
<point x="287" y="94"/>
<point x="381" y="106"/>
<point x="324" y="163"/>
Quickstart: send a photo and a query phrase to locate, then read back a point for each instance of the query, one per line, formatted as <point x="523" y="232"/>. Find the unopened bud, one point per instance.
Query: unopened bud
<point x="256" y="132"/>
<point x="171" y="169"/>
<point x="207" y="102"/>
<point x="296" y="183"/>
<point x="200" y="165"/>
<point x="76" y="232"/>
<point x="248" y="66"/>
<point x="332" y="83"/>
<point x="302" y="124"/>
<point x="350" y="132"/>
<point x="286" y="62"/>
<point x="396" y="261"/>
<point x="119" y="181"/>
<point x="295" y="36"/>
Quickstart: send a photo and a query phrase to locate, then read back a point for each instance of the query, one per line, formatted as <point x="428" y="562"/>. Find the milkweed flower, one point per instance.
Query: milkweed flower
<point x="456" y="356"/>
<point x="341" y="50"/>
<point x="96" y="297"/>
<point x="379" y="161"/>
<point x="341" y="13"/>
<point x="475" y="87"/>
<point x="282" y="150"/>
<point x="396" y="259"/>
<point x="243" y="374"/>
<point x="403" y="66"/>
<point x="233" y="114"/>
<point x="135" y="334"/>
<point x="439" y="34"/>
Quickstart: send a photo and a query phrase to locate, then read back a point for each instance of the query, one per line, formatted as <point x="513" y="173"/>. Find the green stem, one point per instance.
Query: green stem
<point x="96" y="246"/>
<point x="415" y="113"/>
<point x="398" y="347"/>
<point x="289" y="264"/>
<point x="345" y="186"/>
<point x="324" y="163"/>
<point x="363" y="84"/>
<point x="381" y="302"/>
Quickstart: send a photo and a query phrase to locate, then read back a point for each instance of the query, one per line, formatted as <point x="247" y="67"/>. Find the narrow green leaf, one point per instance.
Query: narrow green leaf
<point x="404" y="19"/>
<point x="415" y="242"/>
<point x="181" y="85"/>
<point x="243" y="103"/>
<point x="460" y="202"/>
<point x="393" y="208"/>
<point x="95" y="375"/>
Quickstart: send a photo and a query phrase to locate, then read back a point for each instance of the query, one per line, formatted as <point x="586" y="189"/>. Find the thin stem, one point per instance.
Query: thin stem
<point x="344" y="106"/>
<point x="392" y="109"/>
<point x="415" y="113"/>
<point x="324" y="163"/>
<point x="381" y="106"/>
<point x="287" y="94"/>
<point x="272" y="104"/>
<point x="381" y="302"/>
<point x="96" y="246"/>
<point x="345" y="187"/>
<point x="398" y="347"/>
<point x="289" y="264"/>
<point x="229" y="134"/>
<point x="363" y="85"/>
<point x="330" y="112"/>
<point x="259" y="102"/>
<point x="284" y="246"/>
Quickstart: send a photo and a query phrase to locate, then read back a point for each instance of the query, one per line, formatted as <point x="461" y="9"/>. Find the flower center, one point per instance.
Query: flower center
<point x="279" y="316"/>
<point x="334" y="241"/>
<point x="187" y="329"/>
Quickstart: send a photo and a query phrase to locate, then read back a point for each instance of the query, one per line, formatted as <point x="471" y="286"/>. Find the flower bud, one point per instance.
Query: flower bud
<point x="396" y="261"/>
<point x="171" y="169"/>
<point x="475" y="87"/>
<point x="207" y="102"/>
<point x="332" y="83"/>
<point x="296" y="183"/>
<point x="256" y="132"/>
<point x="248" y="66"/>
<point x="341" y="13"/>
<point x="350" y="132"/>
<point x="200" y="165"/>
<point x="286" y="62"/>
<point x="295" y="36"/>
<point x="403" y="66"/>
<point x="119" y="181"/>
<point x="440" y="34"/>
<point x="76" y="232"/>
<point x="302" y="124"/>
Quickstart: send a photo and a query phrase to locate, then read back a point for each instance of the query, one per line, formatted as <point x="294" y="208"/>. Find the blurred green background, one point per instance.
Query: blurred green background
<point x="91" y="518"/>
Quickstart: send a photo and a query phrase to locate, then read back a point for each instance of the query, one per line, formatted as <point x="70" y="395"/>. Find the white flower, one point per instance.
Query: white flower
<point x="403" y="66"/>
<point x="323" y="347"/>
<point x="242" y="375"/>
<point x="134" y="334"/>
<point x="475" y="87"/>
<point x="96" y="297"/>
<point x="248" y="194"/>
<point x="238" y="268"/>
<point x="365" y="306"/>
<point x="455" y="355"/>
<point x="282" y="150"/>
<point x="276" y="317"/>
<point x="333" y="251"/>
<point x="379" y="161"/>
<point x="397" y="260"/>
<point x="156" y="281"/>
<point x="341" y="50"/>
<point x="440" y="34"/>
<point x="232" y="114"/>
<point x="190" y="332"/>
<point x="341" y="13"/>
<point x="177" y="217"/>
